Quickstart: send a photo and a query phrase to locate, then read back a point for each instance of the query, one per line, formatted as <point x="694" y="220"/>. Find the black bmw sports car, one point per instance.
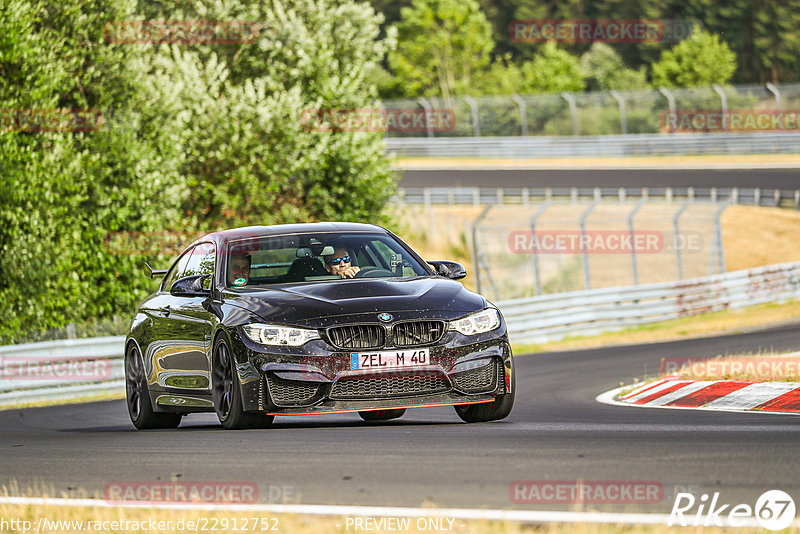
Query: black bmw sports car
<point x="312" y="319"/>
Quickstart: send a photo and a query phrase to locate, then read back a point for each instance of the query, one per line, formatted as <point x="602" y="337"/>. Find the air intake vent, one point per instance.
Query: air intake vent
<point x="416" y="333"/>
<point x="398" y="386"/>
<point x="480" y="380"/>
<point x="291" y="392"/>
<point x="362" y="336"/>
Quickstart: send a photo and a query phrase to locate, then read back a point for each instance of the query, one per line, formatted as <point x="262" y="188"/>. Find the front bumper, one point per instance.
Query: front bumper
<point x="317" y="379"/>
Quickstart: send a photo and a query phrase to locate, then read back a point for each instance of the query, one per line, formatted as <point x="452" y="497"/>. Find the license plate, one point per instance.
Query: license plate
<point x="386" y="359"/>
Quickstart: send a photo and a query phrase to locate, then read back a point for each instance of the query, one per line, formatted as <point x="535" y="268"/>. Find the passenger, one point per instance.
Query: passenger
<point x="240" y="270"/>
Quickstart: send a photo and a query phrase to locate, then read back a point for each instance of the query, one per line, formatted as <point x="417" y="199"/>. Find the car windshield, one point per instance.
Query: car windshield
<point x="317" y="257"/>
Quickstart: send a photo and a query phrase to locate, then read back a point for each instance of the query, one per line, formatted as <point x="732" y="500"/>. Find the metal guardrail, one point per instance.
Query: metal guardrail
<point x="599" y="145"/>
<point x="531" y="320"/>
<point x="60" y="370"/>
<point x="583" y="313"/>
<point x="525" y="196"/>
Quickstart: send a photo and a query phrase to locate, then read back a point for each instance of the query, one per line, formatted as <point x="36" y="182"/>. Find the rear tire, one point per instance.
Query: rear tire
<point x="382" y="415"/>
<point x="137" y="394"/>
<point x="489" y="411"/>
<point x="227" y="393"/>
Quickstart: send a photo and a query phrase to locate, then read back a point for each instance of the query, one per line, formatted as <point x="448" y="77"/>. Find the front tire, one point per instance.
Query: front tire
<point x="137" y="394"/>
<point x="227" y="392"/>
<point x="381" y="415"/>
<point x="490" y="411"/>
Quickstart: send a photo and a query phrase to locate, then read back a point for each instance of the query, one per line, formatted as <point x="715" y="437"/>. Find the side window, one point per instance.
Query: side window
<point x="201" y="262"/>
<point x="177" y="270"/>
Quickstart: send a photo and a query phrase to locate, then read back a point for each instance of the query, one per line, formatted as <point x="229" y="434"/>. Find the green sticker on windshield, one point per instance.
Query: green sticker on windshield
<point x="240" y="281"/>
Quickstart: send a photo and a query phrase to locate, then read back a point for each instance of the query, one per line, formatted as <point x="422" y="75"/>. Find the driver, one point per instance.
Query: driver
<point x="240" y="270"/>
<point x="339" y="264"/>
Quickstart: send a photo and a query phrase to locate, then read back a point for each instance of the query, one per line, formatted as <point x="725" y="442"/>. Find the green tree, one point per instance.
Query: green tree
<point x="701" y="60"/>
<point x="441" y="45"/>
<point x="64" y="192"/>
<point x="604" y="69"/>
<point x="552" y="70"/>
<point x="241" y="114"/>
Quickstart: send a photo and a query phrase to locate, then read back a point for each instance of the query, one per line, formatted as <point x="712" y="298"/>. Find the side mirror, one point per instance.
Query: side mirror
<point x="449" y="269"/>
<point x="191" y="286"/>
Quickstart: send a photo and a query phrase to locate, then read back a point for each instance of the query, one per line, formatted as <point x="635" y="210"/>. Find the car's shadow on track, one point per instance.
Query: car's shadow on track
<point x="275" y="427"/>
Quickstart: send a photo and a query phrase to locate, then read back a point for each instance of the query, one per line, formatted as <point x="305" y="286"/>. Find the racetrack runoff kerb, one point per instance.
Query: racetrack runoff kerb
<point x="517" y="516"/>
<point x="713" y="395"/>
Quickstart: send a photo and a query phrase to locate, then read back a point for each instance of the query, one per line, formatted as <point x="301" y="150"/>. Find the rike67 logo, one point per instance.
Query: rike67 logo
<point x="774" y="510"/>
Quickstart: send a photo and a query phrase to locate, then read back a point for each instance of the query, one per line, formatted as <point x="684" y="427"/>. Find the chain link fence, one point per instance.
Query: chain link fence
<point x="594" y="113"/>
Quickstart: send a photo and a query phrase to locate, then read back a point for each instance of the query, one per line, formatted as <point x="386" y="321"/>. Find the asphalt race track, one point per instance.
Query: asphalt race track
<point x="699" y="178"/>
<point x="557" y="431"/>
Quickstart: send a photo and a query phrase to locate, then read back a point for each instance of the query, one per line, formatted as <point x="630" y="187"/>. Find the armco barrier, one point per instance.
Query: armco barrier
<point x="530" y="196"/>
<point x="530" y="320"/>
<point x="582" y="313"/>
<point x="598" y="145"/>
<point x="57" y="370"/>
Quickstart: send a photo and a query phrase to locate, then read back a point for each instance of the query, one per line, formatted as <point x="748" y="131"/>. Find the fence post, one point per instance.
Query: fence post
<point x="426" y="105"/>
<point x="534" y="253"/>
<point x="717" y="251"/>
<point x="573" y="110"/>
<point x="723" y="100"/>
<point x="476" y="125"/>
<point x="676" y="244"/>
<point x="587" y="282"/>
<point x="476" y="253"/>
<point x="623" y="120"/>
<point x="772" y="88"/>
<point x="523" y="116"/>
<point x="631" y="215"/>
<point x="670" y="101"/>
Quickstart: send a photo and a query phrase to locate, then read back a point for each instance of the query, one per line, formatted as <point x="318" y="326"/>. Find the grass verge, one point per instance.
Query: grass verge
<point x="76" y="400"/>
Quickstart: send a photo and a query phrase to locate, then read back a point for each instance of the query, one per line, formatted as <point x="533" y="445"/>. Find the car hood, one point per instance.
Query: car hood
<point x="307" y="304"/>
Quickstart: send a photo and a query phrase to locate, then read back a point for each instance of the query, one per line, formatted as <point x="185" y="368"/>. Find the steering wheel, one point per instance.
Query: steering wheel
<point x="373" y="272"/>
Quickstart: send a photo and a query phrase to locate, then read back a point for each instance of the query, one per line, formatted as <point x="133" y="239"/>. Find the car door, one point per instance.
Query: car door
<point x="186" y="365"/>
<point x="162" y="334"/>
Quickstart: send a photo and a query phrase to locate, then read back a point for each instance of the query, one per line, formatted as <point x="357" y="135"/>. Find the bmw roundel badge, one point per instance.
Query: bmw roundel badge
<point x="385" y="317"/>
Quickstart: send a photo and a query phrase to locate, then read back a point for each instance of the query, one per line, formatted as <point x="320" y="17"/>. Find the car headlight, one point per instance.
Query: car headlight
<point x="477" y="323"/>
<point x="272" y="334"/>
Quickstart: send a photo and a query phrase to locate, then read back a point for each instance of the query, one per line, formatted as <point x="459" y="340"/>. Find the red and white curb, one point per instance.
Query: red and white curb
<point x="723" y="395"/>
